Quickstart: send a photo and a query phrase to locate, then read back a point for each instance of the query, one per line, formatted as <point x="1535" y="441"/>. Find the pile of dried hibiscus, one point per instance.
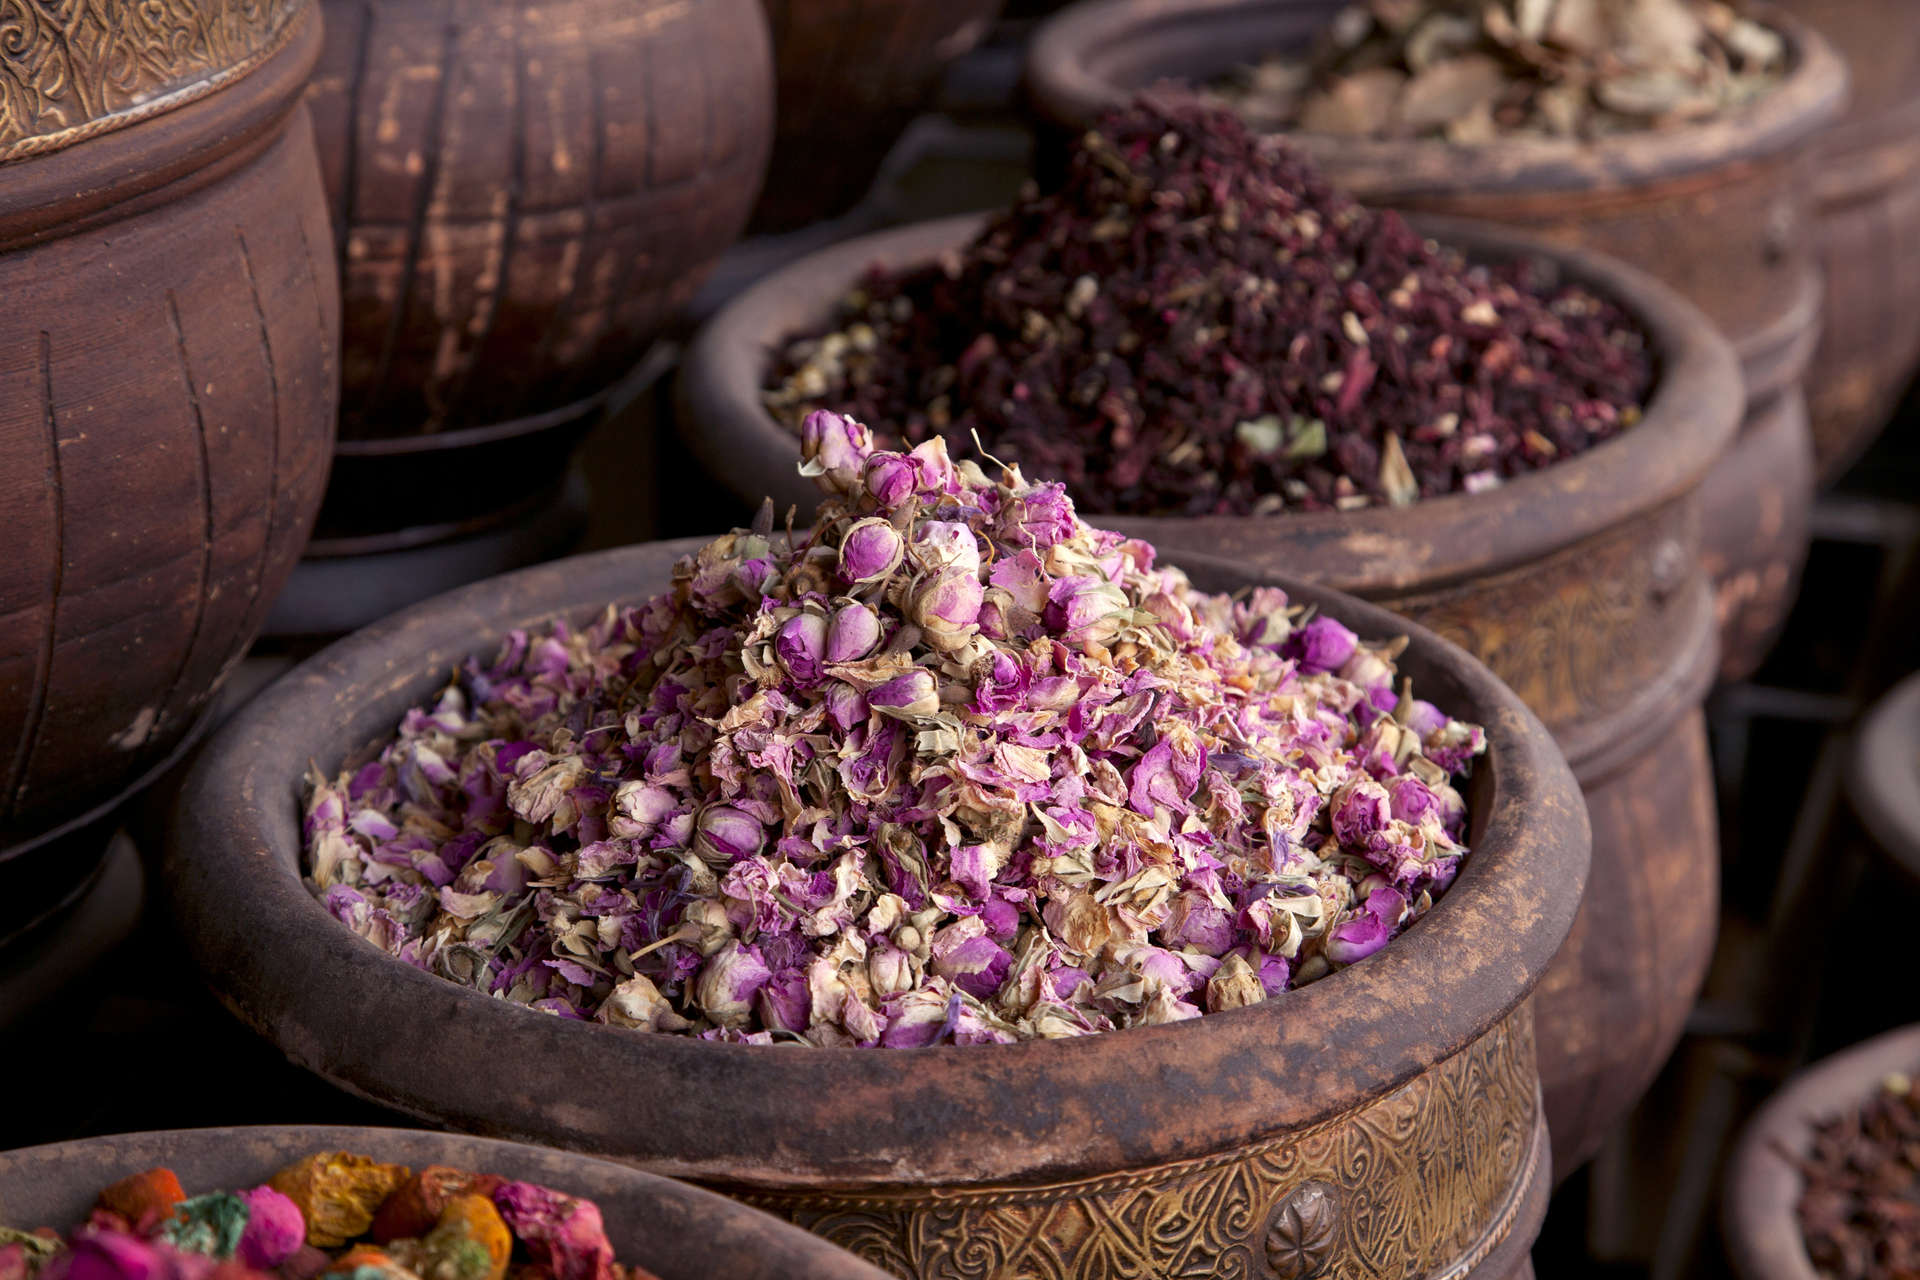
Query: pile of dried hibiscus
<point x="950" y="767"/>
<point x="1860" y="1209"/>
<point x="1197" y="323"/>
<point x="332" y="1215"/>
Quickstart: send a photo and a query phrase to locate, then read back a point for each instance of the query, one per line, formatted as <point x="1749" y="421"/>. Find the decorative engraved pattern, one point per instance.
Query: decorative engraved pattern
<point x="1425" y="1176"/>
<point x="1577" y="635"/>
<point x="71" y="69"/>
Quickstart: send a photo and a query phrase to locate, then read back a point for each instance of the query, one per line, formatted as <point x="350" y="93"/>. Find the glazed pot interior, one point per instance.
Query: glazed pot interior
<point x="680" y="1232"/>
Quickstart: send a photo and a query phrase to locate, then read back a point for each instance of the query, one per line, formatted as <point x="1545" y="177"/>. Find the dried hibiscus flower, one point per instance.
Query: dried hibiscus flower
<point x="950" y="767"/>
<point x="1197" y="323"/>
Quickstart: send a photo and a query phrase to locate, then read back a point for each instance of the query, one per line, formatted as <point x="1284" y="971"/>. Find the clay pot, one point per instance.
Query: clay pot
<point x="677" y="1231"/>
<point x="1579" y="585"/>
<point x="1884" y="779"/>
<point x="1385" y="1119"/>
<point x="1763" y="1187"/>
<point x="168" y="348"/>
<point x="524" y="193"/>
<point x="850" y="76"/>
<point x="1721" y="211"/>
<point x="1867" y="200"/>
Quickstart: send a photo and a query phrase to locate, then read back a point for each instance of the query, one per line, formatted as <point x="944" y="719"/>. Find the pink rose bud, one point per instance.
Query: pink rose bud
<point x="947" y="605"/>
<point x="728" y="983"/>
<point x="871" y="550"/>
<point x="854" y="632"/>
<point x="1322" y="645"/>
<point x="723" y="835"/>
<point x="846" y="706"/>
<point x="802" y="646"/>
<point x="890" y="478"/>
<point x="911" y="694"/>
<point x="945" y="544"/>
<point x="835" y="446"/>
<point x="1086" y="610"/>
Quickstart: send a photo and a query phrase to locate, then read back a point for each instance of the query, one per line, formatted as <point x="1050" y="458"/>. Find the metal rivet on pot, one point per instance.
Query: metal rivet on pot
<point x="1301" y="1233"/>
<point x="1668" y="570"/>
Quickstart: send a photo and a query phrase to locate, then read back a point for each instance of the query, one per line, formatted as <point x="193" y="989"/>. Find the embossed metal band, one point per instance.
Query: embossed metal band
<point x="70" y="71"/>
<point x="1424" y="1181"/>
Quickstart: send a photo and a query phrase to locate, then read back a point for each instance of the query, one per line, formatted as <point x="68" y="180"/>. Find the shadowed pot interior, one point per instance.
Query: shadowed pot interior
<point x="1384" y="1120"/>
<point x="1580" y="585"/>
<point x="677" y="1231"/>
<point x="1763" y="1187"/>
<point x="169" y="331"/>
<point x="1721" y="210"/>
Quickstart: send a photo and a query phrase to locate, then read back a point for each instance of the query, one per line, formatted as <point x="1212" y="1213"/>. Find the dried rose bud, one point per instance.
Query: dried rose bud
<point x="1038" y="517"/>
<point x="889" y="969"/>
<point x="801" y="645"/>
<point x="1373" y="673"/>
<point x="1322" y="645"/>
<point x="891" y="478"/>
<point x="728" y="983"/>
<point x="905" y="696"/>
<point x="834" y="446"/>
<point x="784" y="1003"/>
<point x="1413" y="801"/>
<point x="722" y="835"/>
<point x="853" y="633"/>
<point x="1360" y="809"/>
<point x="1234" y="985"/>
<point x="1086" y="610"/>
<point x="638" y="808"/>
<point x="1366" y="933"/>
<point x="871" y="550"/>
<point x="846" y="706"/>
<point x="945" y="544"/>
<point x="947" y="606"/>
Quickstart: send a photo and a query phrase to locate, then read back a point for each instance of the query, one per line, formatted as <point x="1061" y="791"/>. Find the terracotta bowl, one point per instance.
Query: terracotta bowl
<point x="677" y="1231"/>
<point x="1389" y="1113"/>
<point x="1581" y="586"/>
<point x="1884" y="781"/>
<point x="1763" y="1189"/>
<point x="1722" y="211"/>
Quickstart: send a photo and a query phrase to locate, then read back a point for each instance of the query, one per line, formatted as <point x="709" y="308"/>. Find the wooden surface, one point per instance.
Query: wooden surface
<point x="524" y="192"/>
<point x="169" y="378"/>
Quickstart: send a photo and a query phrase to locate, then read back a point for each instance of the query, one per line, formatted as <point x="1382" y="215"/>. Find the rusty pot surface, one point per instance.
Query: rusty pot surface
<point x="1580" y="585"/>
<point x="680" y="1232"/>
<point x="525" y="192"/>
<point x="168" y="345"/>
<point x="1884" y="778"/>
<point x="850" y="75"/>
<point x="1721" y="211"/>
<point x="1763" y="1189"/>
<point x="1868" y="204"/>
<point x="1384" y="1121"/>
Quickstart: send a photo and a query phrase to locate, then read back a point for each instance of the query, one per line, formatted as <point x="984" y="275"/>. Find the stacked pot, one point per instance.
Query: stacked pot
<point x="524" y="194"/>
<point x="1722" y="211"/>
<point x="1868" y="203"/>
<point x="169" y="346"/>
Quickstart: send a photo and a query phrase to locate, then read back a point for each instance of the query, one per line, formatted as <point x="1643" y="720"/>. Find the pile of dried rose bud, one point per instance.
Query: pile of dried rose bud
<point x="950" y="767"/>
<point x="333" y="1215"/>
<point x="1198" y="323"/>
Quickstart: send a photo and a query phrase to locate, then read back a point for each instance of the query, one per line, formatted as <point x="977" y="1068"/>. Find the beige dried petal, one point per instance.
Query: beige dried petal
<point x="1652" y="94"/>
<point x="1356" y="106"/>
<point x="1448" y="91"/>
<point x="1396" y="477"/>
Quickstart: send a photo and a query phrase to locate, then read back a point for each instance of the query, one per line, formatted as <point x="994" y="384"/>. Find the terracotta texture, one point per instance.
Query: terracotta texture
<point x="1722" y="212"/>
<point x="850" y="76"/>
<point x="680" y="1232"/>
<point x="1580" y="585"/>
<point x="524" y="192"/>
<point x="1762" y="1188"/>
<point x="1405" y="1086"/>
<point x="168" y="350"/>
<point x="1884" y="779"/>
<point x="1868" y="204"/>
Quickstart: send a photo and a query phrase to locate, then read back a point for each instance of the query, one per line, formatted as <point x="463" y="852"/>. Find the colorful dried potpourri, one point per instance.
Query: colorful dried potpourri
<point x="1477" y="71"/>
<point x="1197" y="323"/>
<point x="1860" y="1208"/>
<point x="950" y="767"/>
<point x="305" y="1223"/>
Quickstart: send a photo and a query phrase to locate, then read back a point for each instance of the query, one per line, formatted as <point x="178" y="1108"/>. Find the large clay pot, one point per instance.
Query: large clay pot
<point x="1579" y="585"/>
<point x="676" y="1231"/>
<point x="1721" y="211"/>
<point x="1383" y="1121"/>
<point x="168" y="351"/>
<point x="1763" y="1184"/>
<point x="850" y="76"/>
<point x="1868" y="203"/>
<point x="525" y="191"/>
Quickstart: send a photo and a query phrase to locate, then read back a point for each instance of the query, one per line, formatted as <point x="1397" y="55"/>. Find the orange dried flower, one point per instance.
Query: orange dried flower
<point x="338" y="1193"/>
